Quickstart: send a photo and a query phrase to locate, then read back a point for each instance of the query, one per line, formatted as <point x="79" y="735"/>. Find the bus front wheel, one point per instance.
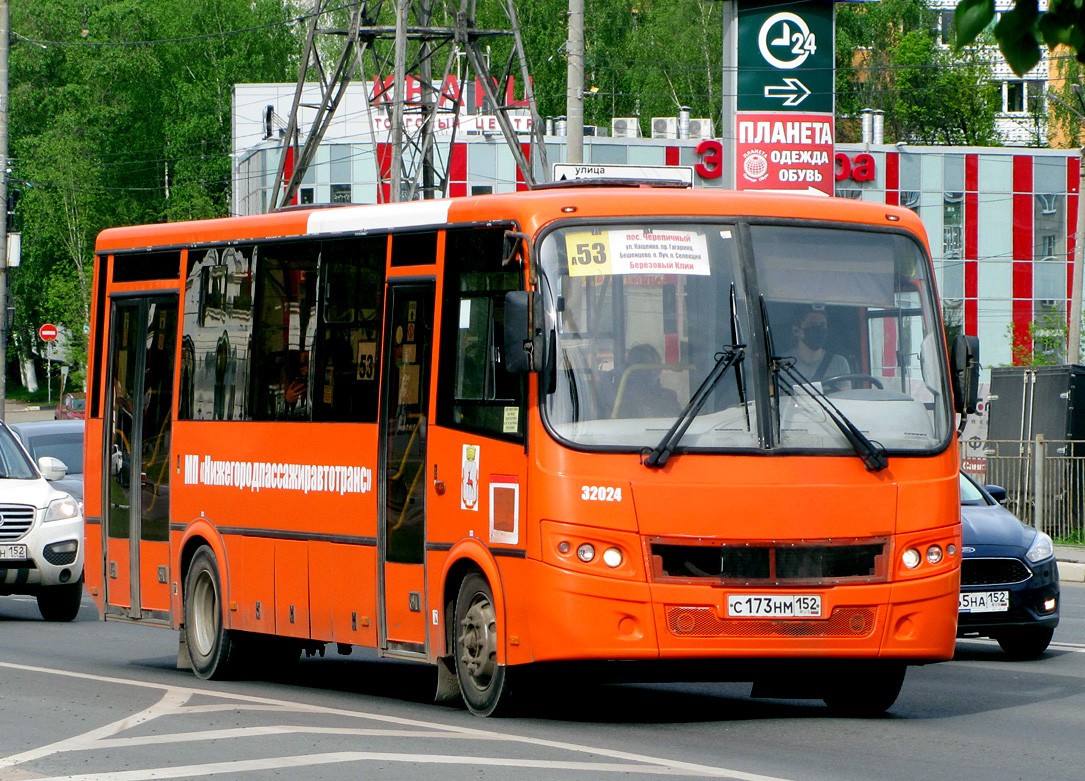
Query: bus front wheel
<point x="483" y="682"/>
<point x="865" y="689"/>
<point x="211" y="649"/>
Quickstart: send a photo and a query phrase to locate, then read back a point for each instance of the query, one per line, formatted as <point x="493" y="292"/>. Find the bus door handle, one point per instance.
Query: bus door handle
<point x="438" y="484"/>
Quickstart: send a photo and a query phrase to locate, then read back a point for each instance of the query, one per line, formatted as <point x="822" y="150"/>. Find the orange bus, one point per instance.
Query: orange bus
<point x="578" y="424"/>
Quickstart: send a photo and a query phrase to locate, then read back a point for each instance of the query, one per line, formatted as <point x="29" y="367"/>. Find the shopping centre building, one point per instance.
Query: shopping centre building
<point x="1000" y="220"/>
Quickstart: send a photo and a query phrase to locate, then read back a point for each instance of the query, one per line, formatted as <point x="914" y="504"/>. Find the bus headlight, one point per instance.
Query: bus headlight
<point x="911" y="558"/>
<point x="612" y="557"/>
<point x="934" y="554"/>
<point x="586" y="552"/>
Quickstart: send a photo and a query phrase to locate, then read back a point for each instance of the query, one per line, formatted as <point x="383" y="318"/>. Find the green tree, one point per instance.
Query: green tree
<point x="888" y="58"/>
<point x="120" y="114"/>
<point x="1021" y="30"/>
<point x="642" y="57"/>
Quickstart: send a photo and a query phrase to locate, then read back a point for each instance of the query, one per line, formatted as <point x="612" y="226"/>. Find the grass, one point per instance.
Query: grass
<point x="1077" y="538"/>
<point x="40" y="396"/>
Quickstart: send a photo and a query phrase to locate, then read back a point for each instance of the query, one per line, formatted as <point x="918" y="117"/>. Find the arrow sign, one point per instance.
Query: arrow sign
<point x="792" y="91"/>
<point x="48" y="332"/>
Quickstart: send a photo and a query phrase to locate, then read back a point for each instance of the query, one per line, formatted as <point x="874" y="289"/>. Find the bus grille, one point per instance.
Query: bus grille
<point x="993" y="572"/>
<point x="15" y="521"/>
<point x="806" y="562"/>
<point x="703" y="622"/>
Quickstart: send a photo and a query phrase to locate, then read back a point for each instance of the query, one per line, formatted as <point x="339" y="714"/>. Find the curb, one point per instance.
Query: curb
<point x="1071" y="571"/>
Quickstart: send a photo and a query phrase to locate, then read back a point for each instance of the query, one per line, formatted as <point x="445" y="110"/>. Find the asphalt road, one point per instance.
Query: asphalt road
<point x="91" y="700"/>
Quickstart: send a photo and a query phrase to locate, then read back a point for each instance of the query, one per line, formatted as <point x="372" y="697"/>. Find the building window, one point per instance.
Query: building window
<point x="1034" y="93"/>
<point x="953" y="226"/>
<point x="1014" y="97"/>
<point x="946" y="28"/>
<point x="340" y="193"/>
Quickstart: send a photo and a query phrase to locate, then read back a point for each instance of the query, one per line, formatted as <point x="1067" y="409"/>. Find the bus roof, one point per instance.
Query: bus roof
<point x="531" y="210"/>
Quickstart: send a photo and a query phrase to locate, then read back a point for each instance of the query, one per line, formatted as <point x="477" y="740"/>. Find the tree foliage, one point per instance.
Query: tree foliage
<point x="642" y="58"/>
<point x="1021" y="30"/>
<point x="888" y="58"/>
<point x="120" y="113"/>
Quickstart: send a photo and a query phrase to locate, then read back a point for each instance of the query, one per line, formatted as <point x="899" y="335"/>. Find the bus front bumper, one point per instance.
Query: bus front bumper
<point x="576" y="616"/>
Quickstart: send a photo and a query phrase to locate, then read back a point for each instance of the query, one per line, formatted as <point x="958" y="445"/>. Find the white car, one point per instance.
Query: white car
<point x="41" y="532"/>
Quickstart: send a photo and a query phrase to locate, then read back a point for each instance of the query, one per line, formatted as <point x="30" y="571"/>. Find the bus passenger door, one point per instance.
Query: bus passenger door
<point x="136" y="485"/>
<point x="406" y="376"/>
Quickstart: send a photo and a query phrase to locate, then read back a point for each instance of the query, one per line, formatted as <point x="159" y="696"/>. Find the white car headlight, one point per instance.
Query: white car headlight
<point x="1040" y="549"/>
<point x="62" y="509"/>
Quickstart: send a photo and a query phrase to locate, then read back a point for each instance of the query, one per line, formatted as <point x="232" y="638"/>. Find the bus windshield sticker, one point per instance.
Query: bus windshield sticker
<point x="510" y="424"/>
<point x="633" y="251"/>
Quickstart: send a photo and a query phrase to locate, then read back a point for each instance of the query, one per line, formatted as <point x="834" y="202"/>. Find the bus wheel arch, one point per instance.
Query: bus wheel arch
<point x="467" y="556"/>
<point x="478" y="638"/>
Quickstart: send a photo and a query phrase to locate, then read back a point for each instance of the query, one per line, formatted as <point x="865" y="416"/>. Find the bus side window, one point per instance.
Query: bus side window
<point x="348" y="349"/>
<point x="475" y="392"/>
<point x="284" y="327"/>
<point x="215" y="348"/>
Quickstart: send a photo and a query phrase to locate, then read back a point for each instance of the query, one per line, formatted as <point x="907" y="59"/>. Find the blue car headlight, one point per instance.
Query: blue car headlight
<point x="1040" y="549"/>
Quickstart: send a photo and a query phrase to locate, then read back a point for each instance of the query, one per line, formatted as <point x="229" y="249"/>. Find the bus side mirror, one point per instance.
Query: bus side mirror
<point x="964" y="363"/>
<point x="519" y="339"/>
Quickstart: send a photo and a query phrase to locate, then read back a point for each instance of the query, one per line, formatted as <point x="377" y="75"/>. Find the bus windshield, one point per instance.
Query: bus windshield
<point x="642" y="313"/>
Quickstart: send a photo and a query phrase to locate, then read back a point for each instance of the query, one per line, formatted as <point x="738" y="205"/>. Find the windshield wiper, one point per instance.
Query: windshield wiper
<point x="725" y="359"/>
<point x="731" y="355"/>
<point x="872" y="453"/>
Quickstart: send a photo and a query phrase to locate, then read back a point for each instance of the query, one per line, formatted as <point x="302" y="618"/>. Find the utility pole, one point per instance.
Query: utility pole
<point x="5" y="103"/>
<point x="574" y="94"/>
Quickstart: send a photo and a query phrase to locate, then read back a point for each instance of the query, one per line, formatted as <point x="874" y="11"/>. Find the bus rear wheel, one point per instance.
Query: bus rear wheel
<point x="483" y="682"/>
<point x="211" y="648"/>
<point x="865" y="689"/>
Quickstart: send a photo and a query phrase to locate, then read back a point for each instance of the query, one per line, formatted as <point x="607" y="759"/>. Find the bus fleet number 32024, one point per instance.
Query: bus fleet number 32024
<point x="774" y="606"/>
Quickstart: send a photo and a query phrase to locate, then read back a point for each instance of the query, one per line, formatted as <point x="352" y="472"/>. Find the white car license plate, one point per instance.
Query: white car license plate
<point x="774" y="606"/>
<point x="13" y="552"/>
<point x="984" y="602"/>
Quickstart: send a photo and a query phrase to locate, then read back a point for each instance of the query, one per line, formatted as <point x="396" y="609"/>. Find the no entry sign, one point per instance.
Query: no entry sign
<point x="47" y="332"/>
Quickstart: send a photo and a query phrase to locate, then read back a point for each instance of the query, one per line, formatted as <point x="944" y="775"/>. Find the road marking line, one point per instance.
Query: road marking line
<point x="668" y="766"/>
<point x="279" y="729"/>
<point x="169" y="703"/>
<point x="308" y="760"/>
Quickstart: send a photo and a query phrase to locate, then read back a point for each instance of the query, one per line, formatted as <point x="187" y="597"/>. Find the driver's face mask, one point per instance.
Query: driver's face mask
<point x="815" y="335"/>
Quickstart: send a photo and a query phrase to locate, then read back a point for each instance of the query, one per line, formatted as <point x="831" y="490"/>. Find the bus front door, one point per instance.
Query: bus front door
<point x="136" y="485"/>
<point x="403" y="468"/>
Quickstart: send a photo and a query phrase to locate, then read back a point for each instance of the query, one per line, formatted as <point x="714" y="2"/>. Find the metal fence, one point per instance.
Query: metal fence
<point x="1044" y="479"/>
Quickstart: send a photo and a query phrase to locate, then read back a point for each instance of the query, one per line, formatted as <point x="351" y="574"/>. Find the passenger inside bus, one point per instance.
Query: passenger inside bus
<point x="296" y="389"/>
<point x="641" y="393"/>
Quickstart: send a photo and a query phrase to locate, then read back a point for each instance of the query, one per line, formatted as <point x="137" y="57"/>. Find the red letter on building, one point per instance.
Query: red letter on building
<point x="711" y="167"/>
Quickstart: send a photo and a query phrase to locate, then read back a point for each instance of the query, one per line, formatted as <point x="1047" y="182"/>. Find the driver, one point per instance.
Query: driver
<point x="812" y="359"/>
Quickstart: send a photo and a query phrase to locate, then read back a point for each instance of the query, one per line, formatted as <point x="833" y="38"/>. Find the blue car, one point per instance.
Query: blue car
<point x="1009" y="576"/>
